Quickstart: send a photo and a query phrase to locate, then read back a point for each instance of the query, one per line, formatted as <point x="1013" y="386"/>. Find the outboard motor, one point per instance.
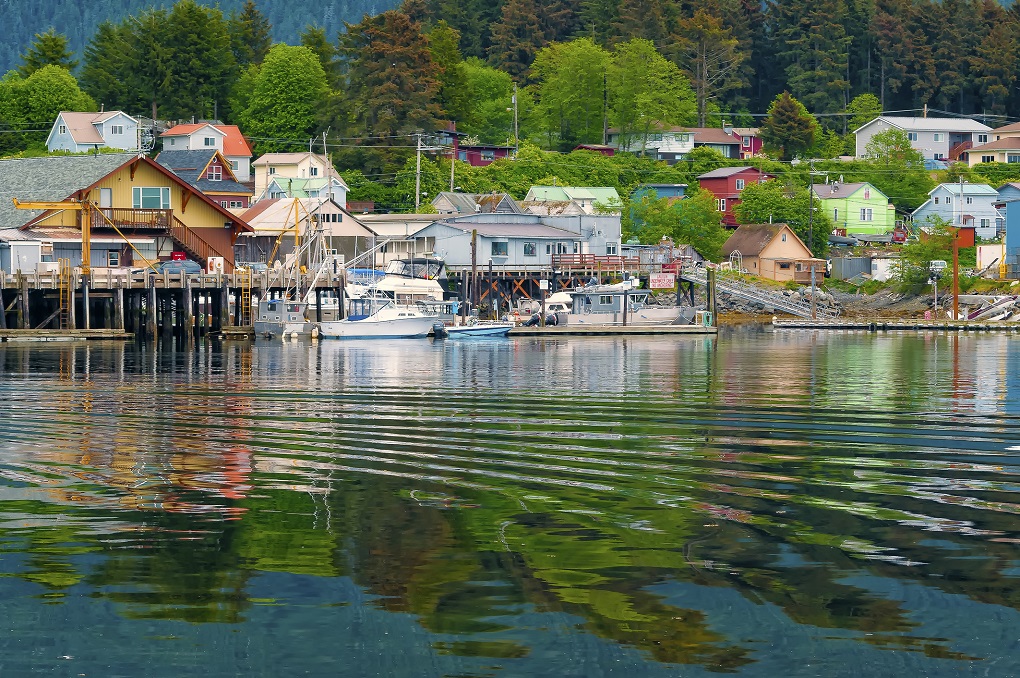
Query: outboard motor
<point x="532" y="321"/>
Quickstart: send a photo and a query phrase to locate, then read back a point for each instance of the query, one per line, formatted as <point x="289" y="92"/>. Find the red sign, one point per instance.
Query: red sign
<point x="178" y="256"/>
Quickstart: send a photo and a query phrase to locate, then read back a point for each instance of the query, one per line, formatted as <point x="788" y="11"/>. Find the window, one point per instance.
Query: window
<point x="835" y="214"/>
<point x="785" y="265"/>
<point x="611" y="248"/>
<point x="784" y="237"/>
<point x="530" y="250"/>
<point x="562" y="248"/>
<point x="740" y="184"/>
<point x="745" y="142"/>
<point x="867" y="194"/>
<point x="985" y="223"/>
<point x="116" y="129"/>
<point x="46" y="251"/>
<point x="113" y="258"/>
<point x="605" y="300"/>
<point x="970" y="200"/>
<point x="1012" y="158"/>
<point x="313" y="171"/>
<point x="982" y="138"/>
<point x="272" y="170"/>
<point x="235" y="165"/>
<point x="577" y="247"/>
<point x="215" y="173"/>
<point x="499" y="249"/>
<point x="939" y="156"/>
<point x="867" y="214"/>
<point x="63" y="129"/>
<point x="938" y="137"/>
<point x="720" y="204"/>
<point x="462" y="155"/>
<point x="224" y="203"/>
<point x="208" y="141"/>
<point x="912" y="136"/>
<point x="488" y="155"/>
<point x="548" y="248"/>
<point x="949" y="200"/>
<point x="987" y="158"/>
<point x="150" y="197"/>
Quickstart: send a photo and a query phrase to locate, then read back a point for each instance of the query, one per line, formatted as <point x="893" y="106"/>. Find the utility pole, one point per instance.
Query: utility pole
<point x="956" y="259"/>
<point x="474" y="268"/>
<point x="417" y="176"/>
<point x="811" y="235"/>
<point x="517" y="143"/>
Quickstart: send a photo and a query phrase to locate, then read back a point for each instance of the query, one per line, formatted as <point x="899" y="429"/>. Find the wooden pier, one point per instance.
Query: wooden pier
<point x="897" y="325"/>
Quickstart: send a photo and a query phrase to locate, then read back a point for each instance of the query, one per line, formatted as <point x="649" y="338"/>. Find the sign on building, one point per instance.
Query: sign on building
<point x="662" y="281"/>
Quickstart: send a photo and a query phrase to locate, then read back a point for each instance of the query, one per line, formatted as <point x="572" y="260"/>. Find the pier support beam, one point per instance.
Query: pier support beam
<point x="150" y="313"/>
<point x="86" y="315"/>
<point x="187" y="310"/>
<point x="118" y="308"/>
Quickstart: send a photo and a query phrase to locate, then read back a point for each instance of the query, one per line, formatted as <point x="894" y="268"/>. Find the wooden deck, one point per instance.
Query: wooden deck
<point x="63" y="335"/>
<point x="893" y="325"/>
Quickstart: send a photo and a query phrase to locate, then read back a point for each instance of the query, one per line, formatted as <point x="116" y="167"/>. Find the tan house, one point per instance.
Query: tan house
<point x="159" y="216"/>
<point x="998" y="145"/>
<point x="289" y="166"/>
<point x="771" y="251"/>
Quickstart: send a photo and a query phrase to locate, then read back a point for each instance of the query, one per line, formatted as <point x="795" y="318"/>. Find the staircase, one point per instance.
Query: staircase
<point x="752" y="293"/>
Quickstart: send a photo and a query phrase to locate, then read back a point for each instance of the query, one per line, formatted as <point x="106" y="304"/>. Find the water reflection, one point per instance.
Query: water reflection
<point x="739" y="504"/>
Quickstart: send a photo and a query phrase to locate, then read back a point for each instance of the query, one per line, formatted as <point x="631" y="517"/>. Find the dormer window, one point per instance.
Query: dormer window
<point x="215" y="173"/>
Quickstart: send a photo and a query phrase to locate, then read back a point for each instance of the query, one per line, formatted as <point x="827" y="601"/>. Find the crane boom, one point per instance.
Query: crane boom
<point x="86" y="222"/>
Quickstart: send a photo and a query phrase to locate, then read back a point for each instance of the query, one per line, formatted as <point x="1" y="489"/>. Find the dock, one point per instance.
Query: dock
<point x="64" y="335"/>
<point x="611" y="330"/>
<point x="896" y="325"/>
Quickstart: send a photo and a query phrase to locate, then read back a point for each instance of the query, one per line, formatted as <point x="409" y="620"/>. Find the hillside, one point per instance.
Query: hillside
<point x="77" y="19"/>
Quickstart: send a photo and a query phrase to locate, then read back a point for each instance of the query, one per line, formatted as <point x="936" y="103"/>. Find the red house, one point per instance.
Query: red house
<point x="480" y="155"/>
<point x="726" y="183"/>
<point x="750" y="142"/>
<point x="605" y="150"/>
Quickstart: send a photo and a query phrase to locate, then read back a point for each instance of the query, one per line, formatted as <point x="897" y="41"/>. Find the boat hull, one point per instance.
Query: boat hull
<point x="479" y="331"/>
<point x="645" y="316"/>
<point x="369" y="328"/>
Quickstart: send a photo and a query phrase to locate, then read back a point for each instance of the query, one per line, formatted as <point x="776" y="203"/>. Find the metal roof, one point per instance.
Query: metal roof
<point x="930" y="124"/>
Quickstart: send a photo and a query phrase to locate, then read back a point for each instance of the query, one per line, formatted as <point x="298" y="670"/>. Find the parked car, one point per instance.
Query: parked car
<point x="180" y="266"/>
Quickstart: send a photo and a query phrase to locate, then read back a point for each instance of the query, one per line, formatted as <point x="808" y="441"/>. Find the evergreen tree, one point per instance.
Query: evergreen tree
<point x="995" y="62"/>
<point x="453" y="93"/>
<point x="814" y="52"/>
<point x="392" y="83"/>
<point x="648" y="19"/>
<point x="47" y="48"/>
<point x="516" y="38"/>
<point x="788" y="128"/>
<point x="288" y="89"/>
<point x="105" y="74"/>
<point x="559" y="19"/>
<point x="710" y="57"/>
<point x="250" y="35"/>
<point x="201" y="62"/>
<point x="891" y="44"/>
<point x="597" y="18"/>
<point x="951" y="28"/>
<point x="149" y="62"/>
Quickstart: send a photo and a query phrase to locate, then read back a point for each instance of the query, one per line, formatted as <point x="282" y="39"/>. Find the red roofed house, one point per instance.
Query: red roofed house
<point x="726" y="183"/>
<point x="204" y="136"/>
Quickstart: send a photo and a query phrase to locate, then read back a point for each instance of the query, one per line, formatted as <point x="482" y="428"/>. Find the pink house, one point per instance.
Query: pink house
<point x="750" y="142"/>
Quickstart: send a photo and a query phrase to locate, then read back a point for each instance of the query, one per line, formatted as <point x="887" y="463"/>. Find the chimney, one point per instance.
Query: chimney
<point x="727" y="127"/>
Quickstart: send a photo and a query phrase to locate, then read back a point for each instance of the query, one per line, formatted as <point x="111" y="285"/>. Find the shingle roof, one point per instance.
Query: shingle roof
<point x="50" y="178"/>
<point x="1012" y="127"/>
<point x="837" y="190"/>
<point x="1009" y="143"/>
<point x="729" y="172"/>
<point x="234" y="144"/>
<point x="751" y="239"/>
<point x="191" y="167"/>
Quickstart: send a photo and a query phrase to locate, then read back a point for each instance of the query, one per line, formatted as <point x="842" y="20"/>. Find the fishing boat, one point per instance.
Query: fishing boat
<point x="602" y="305"/>
<point x="280" y="318"/>
<point x="380" y="318"/>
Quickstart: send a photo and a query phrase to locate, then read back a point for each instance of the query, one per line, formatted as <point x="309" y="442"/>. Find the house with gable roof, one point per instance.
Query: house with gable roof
<point x="771" y="251"/>
<point x="968" y="205"/>
<point x="154" y="209"/>
<point x="726" y="183"/>
<point x="75" y="132"/>
<point x="856" y="207"/>
<point x="671" y="144"/>
<point x="451" y="202"/>
<point x="227" y="139"/>
<point x="1003" y="145"/>
<point x="936" y="138"/>
<point x="210" y="172"/>
<point x="289" y="166"/>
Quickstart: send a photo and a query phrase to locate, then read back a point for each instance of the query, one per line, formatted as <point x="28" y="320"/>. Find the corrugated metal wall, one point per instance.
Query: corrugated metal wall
<point x="848" y="267"/>
<point x="1013" y="240"/>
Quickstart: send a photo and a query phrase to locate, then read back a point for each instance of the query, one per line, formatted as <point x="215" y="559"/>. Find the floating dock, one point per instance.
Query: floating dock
<point x="894" y="325"/>
<point x="611" y="330"/>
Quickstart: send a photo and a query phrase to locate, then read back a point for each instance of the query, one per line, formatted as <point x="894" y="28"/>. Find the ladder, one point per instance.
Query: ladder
<point x="752" y="293"/>
<point x="66" y="283"/>
<point x="243" y="318"/>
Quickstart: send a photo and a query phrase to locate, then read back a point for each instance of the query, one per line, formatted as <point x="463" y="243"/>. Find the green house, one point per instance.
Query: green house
<point x="856" y="207"/>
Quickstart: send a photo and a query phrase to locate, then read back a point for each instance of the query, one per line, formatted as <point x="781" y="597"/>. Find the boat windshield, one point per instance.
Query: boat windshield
<point x="429" y="269"/>
<point x="362" y="308"/>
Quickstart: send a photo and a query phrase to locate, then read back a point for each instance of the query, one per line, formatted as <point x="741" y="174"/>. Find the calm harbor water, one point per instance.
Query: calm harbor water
<point x="759" y="504"/>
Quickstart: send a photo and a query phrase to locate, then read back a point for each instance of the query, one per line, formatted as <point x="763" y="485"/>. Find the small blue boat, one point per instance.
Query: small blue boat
<point x="479" y="331"/>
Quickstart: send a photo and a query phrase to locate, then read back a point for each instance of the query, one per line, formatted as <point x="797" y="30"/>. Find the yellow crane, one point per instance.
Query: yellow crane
<point x="87" y="209"/>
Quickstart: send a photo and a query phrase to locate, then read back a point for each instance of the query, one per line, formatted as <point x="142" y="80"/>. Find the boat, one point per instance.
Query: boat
<point x="476" y="331"/>
<point x="602" y="305"/>
<point x="380" y="318"/>
<point x="280" y="318"/>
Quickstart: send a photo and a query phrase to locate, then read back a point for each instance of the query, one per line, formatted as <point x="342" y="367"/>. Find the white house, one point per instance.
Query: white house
<point x="936" y="138"/>
<point x="964" y="204"/>
<point x="203" y="136"/>
<point x="287" y="166"/>
<point x="75" y="132"/>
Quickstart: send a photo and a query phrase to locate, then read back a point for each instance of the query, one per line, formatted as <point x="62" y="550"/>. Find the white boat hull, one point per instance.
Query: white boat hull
<point x="479" y="331"/>
<point x="371" y="328"/>
<point x="645" y="316"/>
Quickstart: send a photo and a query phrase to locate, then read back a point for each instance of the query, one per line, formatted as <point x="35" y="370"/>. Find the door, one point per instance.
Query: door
<point x="106" y="201"/>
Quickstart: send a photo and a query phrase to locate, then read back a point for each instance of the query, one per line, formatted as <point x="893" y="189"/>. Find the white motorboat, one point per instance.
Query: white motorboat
<point x="476" y="331"/>
<point x="375" y="318"/>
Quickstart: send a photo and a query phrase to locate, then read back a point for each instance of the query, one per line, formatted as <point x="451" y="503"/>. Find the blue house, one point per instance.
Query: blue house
<point x="1009" y="192"/>
<point x="656" y="191"/>
<point x="964" y="204"/>
<point x="75" y="132"/>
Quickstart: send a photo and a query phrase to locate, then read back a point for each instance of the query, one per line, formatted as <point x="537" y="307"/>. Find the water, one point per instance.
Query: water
<point x="759" y="504"/>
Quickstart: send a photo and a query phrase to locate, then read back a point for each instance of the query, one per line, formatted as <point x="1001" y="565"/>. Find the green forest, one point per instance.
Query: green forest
<point x="544" y="75"/>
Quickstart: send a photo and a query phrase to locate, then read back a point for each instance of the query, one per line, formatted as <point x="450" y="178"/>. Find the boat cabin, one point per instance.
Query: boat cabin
<point x="606" y="301"/>
<point x="281" y="310"/>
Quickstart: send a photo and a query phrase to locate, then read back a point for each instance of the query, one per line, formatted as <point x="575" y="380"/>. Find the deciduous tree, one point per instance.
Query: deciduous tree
<point x="571" y="85"/>
<point x="776" y="202"/>
<point x="710" y="57"/>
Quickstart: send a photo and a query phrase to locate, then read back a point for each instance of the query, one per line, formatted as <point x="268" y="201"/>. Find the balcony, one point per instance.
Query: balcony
<point x="132" y="219"/>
